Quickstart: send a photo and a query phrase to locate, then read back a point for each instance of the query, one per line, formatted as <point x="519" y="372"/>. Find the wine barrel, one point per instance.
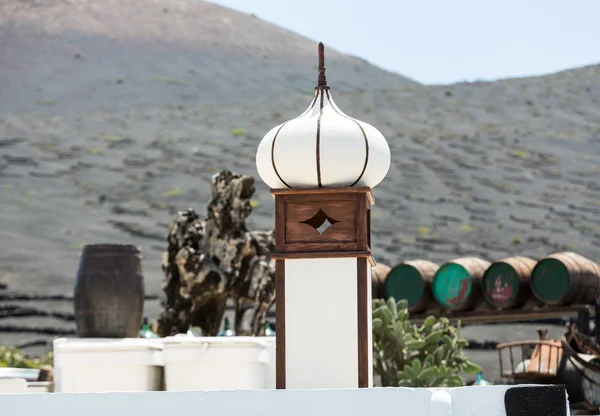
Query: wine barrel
<point x="378" y="275"/>
<point x="457" y="284"/>
<point x="506" y="282"/>
<point x="566" y="278"/>
<point x="109" y="292"/>
<point x="411" y="280"/>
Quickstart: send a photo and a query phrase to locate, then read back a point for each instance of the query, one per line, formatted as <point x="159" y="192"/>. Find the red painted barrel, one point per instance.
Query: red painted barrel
<point x="411" y="280"/>
<point x="457" y="284"/>
<point x="566" y="278"/>
<point x="506" y="282"/>
<point x="378" y="275"/>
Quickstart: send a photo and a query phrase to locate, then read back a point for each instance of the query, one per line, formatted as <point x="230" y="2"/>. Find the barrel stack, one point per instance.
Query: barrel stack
<point x="473" y="284"/>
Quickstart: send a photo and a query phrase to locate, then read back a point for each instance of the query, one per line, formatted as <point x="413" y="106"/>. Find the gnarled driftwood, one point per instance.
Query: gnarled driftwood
<point x="211" y="259"/>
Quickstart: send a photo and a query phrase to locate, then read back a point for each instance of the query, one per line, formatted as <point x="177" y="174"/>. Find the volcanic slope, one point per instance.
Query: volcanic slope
<point x="486" y="169"/>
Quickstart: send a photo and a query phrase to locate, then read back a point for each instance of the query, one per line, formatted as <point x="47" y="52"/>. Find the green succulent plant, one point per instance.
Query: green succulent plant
<point x="13" y="357"/>
<point x="409" y="355"/>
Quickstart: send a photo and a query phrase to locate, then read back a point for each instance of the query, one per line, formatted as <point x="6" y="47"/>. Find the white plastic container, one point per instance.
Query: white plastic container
<point x="40" y="387"/>
<point x="13" y="385"/>
<point x="29" y="374"/>
<point x="271" y="366"/>
<point x="215" y="363"/>
<point x="107" y="365"/>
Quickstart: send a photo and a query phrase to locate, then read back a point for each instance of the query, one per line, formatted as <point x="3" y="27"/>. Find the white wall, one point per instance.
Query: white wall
<point x="466" y="401"/>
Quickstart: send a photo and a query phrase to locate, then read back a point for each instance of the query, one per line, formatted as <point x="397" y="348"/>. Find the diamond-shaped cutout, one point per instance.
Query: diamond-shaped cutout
<point x="320" y="221"/>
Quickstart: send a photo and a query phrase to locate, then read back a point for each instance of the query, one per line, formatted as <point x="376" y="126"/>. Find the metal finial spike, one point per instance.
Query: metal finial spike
<point x="322" y="78"/>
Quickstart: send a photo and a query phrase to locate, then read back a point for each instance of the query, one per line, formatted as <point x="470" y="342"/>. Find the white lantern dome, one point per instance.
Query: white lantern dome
<point x="323" y="147"/>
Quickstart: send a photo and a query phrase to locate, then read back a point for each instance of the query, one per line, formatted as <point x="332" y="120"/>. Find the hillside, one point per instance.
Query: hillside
<point x="116" y="55"/>
<point x="483" y="169"/>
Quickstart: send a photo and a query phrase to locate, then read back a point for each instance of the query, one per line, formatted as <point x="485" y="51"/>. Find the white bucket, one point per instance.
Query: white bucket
<point x="40" y="387"/>
<point x="29" y="374"/>
<point x="13" y="385"/>
<point x="107" y="365"/>
<point x="215" y="363"/>
<point x="271" y="367"/>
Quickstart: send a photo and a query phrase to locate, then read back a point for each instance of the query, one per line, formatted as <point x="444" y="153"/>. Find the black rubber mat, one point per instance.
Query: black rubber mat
<point x="536" y="401"/>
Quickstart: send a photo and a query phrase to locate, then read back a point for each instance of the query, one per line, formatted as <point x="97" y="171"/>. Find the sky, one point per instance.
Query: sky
<point x="446" y="41"/>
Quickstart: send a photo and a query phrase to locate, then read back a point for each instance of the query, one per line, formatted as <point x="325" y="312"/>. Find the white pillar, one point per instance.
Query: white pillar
<point x="321" y="348"/>
<point x="321" y="167"/>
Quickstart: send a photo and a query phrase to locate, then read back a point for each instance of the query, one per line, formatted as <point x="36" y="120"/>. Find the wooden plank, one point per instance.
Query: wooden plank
<point x="491" y="316"/>
<point x="280" y="368"/>
<point x="363" y="325"/>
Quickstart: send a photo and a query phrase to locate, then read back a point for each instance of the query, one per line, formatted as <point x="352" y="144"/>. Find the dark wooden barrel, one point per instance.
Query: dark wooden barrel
<point x="457" y="284"/>
<point x="109" y="292"/>
<point x="411" y="280"/>
<point x="506" y="282"/>
<point x="566" y="278"/>
<point x="570" y="374"/>
<point x="378" y="275"/>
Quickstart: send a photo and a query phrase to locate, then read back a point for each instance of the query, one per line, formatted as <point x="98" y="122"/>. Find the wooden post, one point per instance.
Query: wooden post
<point x="597" y="321"/>
<point x="323" y="277"/>
<point x="583" y="320"/>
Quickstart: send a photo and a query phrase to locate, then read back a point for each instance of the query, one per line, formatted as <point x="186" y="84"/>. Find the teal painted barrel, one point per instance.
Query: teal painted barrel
<point x="566" y="278"/>
<point x="457" y="284"/>
<point x="506" y="282"/>
<point x="411" y="280"/>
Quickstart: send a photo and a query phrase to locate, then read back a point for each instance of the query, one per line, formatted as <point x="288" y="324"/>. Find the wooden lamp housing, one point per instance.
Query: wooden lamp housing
<point x="323" y="223"/>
